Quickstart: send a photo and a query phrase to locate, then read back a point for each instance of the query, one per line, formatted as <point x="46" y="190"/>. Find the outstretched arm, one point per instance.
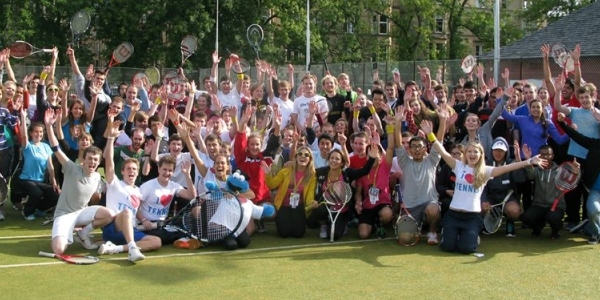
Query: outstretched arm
<point x="49" y="120"/>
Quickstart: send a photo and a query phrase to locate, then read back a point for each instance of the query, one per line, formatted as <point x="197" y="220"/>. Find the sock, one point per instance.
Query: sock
<point x="87" y="229"/>
<point x="131" y="245"/>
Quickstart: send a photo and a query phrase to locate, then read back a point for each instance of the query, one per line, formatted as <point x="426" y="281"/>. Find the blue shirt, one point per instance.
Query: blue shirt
<point x="586" y="125"/>
<point x="35" y="161"/>
<point x="532" y="132"/>
<point x="67" y="133"/>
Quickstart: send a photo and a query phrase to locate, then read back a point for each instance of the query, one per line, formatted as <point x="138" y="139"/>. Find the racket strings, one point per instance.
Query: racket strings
<point x="217" y="217"/>
<point x="407" y="230"/>
<point x="567" y="177"/>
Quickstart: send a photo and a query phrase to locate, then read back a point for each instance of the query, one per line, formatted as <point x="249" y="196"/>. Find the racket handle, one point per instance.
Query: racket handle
<point x="47" y="50"/>
<point x="141" y="227"/>
<point x="554" y="205"/>
<point x="46" y="254"/>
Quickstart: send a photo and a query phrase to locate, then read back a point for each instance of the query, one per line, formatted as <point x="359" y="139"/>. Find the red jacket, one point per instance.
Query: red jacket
<point x="251" y="165"/>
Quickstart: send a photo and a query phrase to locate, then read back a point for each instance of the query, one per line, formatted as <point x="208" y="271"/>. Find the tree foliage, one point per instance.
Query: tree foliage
<point x="541" y="12"/>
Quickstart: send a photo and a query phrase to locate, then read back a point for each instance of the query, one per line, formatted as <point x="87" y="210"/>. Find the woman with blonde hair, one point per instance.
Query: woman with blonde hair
<point x="462" y="223"/>
<point x="295" y="193"/>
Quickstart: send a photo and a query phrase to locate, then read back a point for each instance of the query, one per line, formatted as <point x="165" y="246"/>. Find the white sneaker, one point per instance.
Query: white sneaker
<point x="135" y="254"/>
<point x="109" y="248"/>
<point x="432" y="238"/>
<point x="1" y="215"/>
<point x="85" y="241"/>
<point x="323" y="233"/>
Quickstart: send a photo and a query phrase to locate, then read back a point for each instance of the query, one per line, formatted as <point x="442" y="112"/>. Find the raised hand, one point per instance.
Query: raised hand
<point x="374" y="150"/>
<point x="559" y="83"/>
<point x="526" y="151"/>
<point x="400" y="113"/>
<point x="313" y="109"/>
<point x="426" y="126"/>
<point x="113" y="130"/>
<point x="27" y="79"/>
<point x="49" y="117"/>
<point x="186" y="167"/>
<point x="183" y="130"/>
<point x="173" y="115"/>
<point x="576" y="54"/>
<point x="479" y="71"/>
<point x="517" y="150"/>
<point x="266" y="168"/>
<point x="89" y="73"/>
<point x="560" y="117"/>
<point x="216" y="59"/>
<point x="64" y="85"/>
<point x="545" y="51"/>
<point x="341" y="139"/>
<point x="506" y="74"/>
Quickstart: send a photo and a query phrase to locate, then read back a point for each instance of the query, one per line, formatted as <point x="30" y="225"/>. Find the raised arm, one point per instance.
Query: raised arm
<point x="109" y="164"/>
<point x="49" y="120"/>
<point x="546" y="67"/>
<point x="50" y="77"/>
<point x="560" y="83"/>
<point x="427" y="128"/>
<point x="576" y="54"/>
<point x="183" y="131"/>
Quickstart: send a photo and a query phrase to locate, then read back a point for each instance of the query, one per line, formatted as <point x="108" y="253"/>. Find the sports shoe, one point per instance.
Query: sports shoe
<point x="109" y="248"/>
<point x="323" y="232"/>
<point x="261" y="227"/>
<point x="578" y="227"/>
<point x="570" y="226"/>
<point x="510" y="229"/>
<point x="593" y="240"/>
<point x="85" y="241"/>
<point x="432" y="238"/>
<point x="135" y="254"/>
<point x="194" y="244"/>
<point x="380" y="231"/>
<point x="186" y="243"/>
<point x="1" y="215"/>
<point x="30" y="217"/>
<point x="39" y="213"/>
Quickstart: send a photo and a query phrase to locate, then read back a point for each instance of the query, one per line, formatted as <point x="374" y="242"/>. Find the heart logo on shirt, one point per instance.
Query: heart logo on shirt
<point x="469" y="178"/>
<point x="165" y="199"/>
<point x="135" y="201"/>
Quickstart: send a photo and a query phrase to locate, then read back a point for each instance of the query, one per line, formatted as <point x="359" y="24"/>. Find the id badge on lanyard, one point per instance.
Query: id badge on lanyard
<point x="294" y="200"/>
<point x="373" y="195"/>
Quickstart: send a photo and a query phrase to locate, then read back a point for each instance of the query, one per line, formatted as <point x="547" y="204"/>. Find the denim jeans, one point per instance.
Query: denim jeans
<point x="593" y="211"/>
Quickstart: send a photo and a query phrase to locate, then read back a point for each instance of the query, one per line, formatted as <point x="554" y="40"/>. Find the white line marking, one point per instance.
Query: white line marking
<point x="241" y="251"/>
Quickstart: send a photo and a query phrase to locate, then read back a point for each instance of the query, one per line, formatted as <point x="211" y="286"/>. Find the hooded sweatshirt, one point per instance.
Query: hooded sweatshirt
<point x="498" y="187"/>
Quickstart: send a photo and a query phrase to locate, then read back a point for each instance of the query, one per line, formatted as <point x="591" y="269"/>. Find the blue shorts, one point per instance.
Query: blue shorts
<point x="110" y="233"/>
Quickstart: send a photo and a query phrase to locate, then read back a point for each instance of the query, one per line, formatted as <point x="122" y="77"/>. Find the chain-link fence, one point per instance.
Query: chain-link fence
<point x="361" y="74"/>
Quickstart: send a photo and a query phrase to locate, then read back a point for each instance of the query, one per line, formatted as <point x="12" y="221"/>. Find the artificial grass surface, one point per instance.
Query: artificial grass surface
<point x="308" y="268"/>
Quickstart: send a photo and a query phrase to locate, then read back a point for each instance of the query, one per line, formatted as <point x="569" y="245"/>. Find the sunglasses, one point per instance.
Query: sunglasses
<point x="53" y="90"/>
<point x="305" y="154"/>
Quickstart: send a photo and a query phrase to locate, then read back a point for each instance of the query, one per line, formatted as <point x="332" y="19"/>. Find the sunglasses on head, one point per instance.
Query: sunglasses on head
<point x="305" y="154"/>
<point x="53" y="90"/>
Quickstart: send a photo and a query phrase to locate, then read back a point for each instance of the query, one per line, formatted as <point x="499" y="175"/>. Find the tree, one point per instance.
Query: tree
<point x="541" y="12"/>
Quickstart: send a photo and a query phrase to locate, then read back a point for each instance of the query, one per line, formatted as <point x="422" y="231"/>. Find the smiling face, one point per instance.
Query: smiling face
<point x="329" y="85"/>
<point x="308" y="87"/>
<point x="221" y="166"/>
<point x="175" y="147"/>
<point x="359" y="145"/>
<point x="585" y="99"/>
<point x="36" y="132"/>
<point x="535" y="109"/>
<point x="254" y="146"/>
<point x="165" y="171"/>
<point x="473" y="155"/>
<point x="303" y="157"/>
<point x="77" y="110"/>
<point x="340" y="126"/>
<point x="52" y="92"/>
<point x="417" y="149"/>
<point x="472" y="122"/>
<point x="415" y="106"/>
<point x="91" y="162"/>
<point x="335" y="161"/>
<point x="130" y="171"/>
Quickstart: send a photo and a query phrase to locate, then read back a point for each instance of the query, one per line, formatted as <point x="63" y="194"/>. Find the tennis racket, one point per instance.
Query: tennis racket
<point x="408" y="231"/>
<point x="153" y="75"/>
<point x="336" y="197"/>
<point x="3" y="190"/>
<point x="80" y="22"/>
<point x="468" y="63"/>
<point x="120" y="55"/>
<point x="72" y="259"/>
<point x="22" y="49"/>
<point x="255" y="36"/>
<point x="493" y="218"/>
<point x="141" y="76"/>
<point x="566" y="179"/>
<point x="210" y="217"/>
<point x="176" y="86"/>
<point x="189" y="44"/>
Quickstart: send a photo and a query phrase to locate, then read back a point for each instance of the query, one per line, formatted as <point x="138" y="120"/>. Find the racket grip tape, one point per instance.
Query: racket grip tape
<point x="554" y="205"/>
<point x="46" y="254"/>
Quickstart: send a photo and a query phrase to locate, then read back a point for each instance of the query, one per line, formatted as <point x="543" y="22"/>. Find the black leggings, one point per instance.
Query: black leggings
<point x="320" y="214"/>
<point x="291" y="222"/>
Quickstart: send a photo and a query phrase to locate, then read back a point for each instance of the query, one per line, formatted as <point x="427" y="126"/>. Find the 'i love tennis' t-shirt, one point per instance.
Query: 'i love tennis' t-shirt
<point x="156" y="199"/>
<point x="466" y="196"/>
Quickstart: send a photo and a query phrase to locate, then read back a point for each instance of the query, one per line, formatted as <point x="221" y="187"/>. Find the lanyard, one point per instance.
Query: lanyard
<point x="376" y="171"/>
<point x="297" y="182"/>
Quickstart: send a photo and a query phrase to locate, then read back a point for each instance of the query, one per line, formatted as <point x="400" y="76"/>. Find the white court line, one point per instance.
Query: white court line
<point x="240" y="251"/>
<point x="18" y="237"/>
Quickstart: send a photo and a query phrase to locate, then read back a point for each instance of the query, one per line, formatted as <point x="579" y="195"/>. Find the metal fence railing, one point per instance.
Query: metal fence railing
<point x="361" y="74"/>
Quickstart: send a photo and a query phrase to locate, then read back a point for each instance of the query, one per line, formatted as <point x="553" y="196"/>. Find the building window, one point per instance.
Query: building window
<point x="380" y="24"/>
<point x="439" y="24"/>
<point x="350" y="25"/>
<point x="478" y="50"/>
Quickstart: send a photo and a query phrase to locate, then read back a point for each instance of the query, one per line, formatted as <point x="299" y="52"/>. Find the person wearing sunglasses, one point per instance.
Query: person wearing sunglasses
<point x="295" y="193"/>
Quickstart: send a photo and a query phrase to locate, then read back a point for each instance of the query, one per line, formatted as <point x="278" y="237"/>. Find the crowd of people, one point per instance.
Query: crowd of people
<point x="448" y="158"/>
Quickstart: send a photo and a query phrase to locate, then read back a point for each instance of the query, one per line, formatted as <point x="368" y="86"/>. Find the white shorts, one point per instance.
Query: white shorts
<point x="65" y="224"/>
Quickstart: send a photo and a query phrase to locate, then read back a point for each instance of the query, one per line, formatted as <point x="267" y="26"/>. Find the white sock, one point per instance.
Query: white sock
<point x="131" y="245"/>
<point x="87" y="229"/>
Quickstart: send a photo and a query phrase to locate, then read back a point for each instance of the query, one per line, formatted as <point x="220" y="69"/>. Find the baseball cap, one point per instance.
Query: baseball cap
<point x="499" y="145"/>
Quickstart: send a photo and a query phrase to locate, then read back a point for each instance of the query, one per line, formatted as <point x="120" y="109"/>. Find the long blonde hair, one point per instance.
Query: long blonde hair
<point x="309" y="173"/>
<point x="479" y="169"/>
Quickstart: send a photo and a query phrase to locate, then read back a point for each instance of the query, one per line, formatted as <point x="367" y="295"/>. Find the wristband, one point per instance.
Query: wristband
<point x="355" y="113"/>
<point x="43" y="76"/>
<point x="110" y="138"/>
<point x="234" y="119"/>
<point x="389" y="129"/>
<point x="529" y="162"/>
<point x="55" y="148"/>
<point x="577" y="64"/>
<point x="431" y="137"/>
<point x="176" y="123"/>
<point x="240" y="76"/>
<point x="372" y="109"/>
<point x="158" y="100"/>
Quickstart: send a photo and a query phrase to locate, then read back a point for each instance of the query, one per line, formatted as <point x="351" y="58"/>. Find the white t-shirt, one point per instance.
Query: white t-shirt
<point x="466" y="197"/>
<point x="301" y="107"/>
<point x="286" y="108"/>
<point x="224" y="135"/>
<point x="32" y="105"/>
<point x="209" y="163"/>
<point x="156" y="199"/>
<point x="120" y="196"/>
<point x="232" y="99"/>
<point x="178" y="175"/>
<point x="210" y="176"/>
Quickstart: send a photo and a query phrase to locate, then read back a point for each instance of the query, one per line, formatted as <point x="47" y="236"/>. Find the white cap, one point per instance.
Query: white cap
<point x="499" y="145"/>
